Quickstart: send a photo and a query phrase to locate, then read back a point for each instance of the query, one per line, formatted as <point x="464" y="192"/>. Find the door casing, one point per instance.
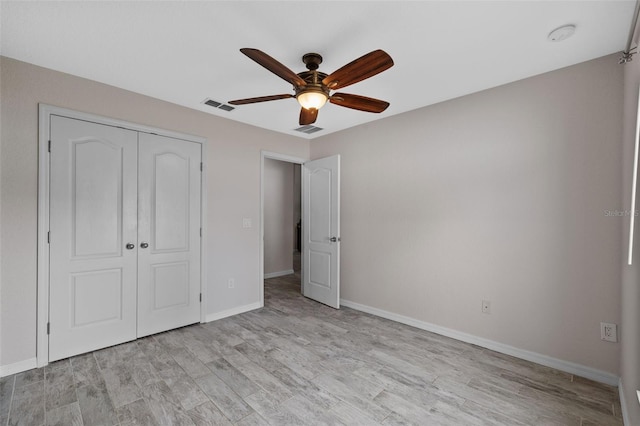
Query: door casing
<point x="44" y="117"/>
<point x="287" y="159"/>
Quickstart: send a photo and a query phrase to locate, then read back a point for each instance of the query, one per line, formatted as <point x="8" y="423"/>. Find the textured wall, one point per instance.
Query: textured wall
<point x="630" y="326"/>
<point x="278" y="216"/>
<point x="499" y="195"/>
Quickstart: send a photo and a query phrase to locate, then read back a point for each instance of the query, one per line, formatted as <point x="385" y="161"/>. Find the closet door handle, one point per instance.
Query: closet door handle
<point x="144" y="245"/>
<point x="130" y="246"/>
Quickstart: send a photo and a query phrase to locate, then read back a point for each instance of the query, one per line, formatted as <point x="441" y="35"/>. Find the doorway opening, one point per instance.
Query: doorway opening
<point x="281" y="226"/>
<point x="282" y="223"/>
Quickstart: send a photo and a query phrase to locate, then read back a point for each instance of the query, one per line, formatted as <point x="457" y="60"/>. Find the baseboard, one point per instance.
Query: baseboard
<point x="278" y="274"/>
<point x="234" y="311"/>
<point x="566" y="366"/>
<point x="623" y="404"/>
<point x="18" y="367"/>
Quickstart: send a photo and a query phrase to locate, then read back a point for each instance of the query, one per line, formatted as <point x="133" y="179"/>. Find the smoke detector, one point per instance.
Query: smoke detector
<point x="562" y="33"/>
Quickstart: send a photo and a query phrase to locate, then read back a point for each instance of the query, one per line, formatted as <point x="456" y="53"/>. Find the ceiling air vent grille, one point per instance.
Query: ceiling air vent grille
<point x="308" y="129"/>
<point x="212" y="103"/>
<point x="218" y="105"/>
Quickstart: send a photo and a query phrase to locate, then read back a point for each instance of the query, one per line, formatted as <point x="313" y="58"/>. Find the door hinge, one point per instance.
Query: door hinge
<point x="49" y="146"/>
<point x="48" y="328"/>
<point x="201" y="297"/>
<point x="201" y="166"/>
<point x="200" y="232"/>
<point x="48" y="237"/>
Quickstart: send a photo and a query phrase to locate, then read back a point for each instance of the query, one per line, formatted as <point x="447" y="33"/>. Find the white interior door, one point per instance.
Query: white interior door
<point x="168" y="233"/>
<point x="93" y="190"/>
<point x="321" y="230"/>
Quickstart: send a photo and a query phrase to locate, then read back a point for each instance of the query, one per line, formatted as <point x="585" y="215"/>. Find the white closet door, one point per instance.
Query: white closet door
<point x="92" y="219"/>
<point x="168" y="233"/>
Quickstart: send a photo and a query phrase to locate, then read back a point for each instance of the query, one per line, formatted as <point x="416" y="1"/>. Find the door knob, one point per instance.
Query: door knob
<point x="130" y="246"/>
<point x="334" y="239"/>
<point x="144" y="245"/>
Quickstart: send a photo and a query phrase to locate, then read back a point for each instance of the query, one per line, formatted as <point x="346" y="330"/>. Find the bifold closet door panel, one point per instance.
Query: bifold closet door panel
<point x="93" y="219"/>
<point x="168" y="233"/>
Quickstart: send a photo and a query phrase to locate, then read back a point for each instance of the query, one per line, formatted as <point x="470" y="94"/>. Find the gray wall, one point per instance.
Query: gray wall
<point x="630" y="328"/>
<point x="278" y="216"/>
<point x="500" y="195"/>
<point x="297" y="202"/>
<point x="233" y="179"/>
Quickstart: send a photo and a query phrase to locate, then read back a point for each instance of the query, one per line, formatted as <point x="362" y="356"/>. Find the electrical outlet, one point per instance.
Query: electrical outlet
<point x="231" y="283"/>
<point x="608" y="332"/>
<point x="246" y="222"/>
<point x="486" y="306"/>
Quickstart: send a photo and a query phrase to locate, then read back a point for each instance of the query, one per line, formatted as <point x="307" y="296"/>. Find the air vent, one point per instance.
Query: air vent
<point x="218" y="105"/>
<point x="308" y="129"/>
<point x="212" y="103"/>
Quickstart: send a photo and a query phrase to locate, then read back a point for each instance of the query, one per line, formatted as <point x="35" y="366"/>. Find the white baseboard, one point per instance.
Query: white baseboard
<point x="234" y="311"/>
<point x="18" y="367"/>
<point x="623" y="404"/>
<point x="566" y="366"/>
<point x="278" y="274"/>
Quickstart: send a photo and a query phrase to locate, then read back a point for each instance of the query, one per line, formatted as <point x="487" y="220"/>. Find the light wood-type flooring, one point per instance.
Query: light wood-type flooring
<point x="298" y="362"/>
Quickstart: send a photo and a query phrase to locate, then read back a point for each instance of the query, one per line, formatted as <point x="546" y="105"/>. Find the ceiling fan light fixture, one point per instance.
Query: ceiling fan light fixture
<point x="312" y="99"/>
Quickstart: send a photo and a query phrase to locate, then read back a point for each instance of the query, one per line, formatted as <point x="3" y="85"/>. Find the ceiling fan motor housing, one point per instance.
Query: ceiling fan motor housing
<point x="312" y="60"/>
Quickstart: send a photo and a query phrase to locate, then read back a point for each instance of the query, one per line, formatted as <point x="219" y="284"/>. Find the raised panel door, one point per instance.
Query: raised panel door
<point x="321" y="230"/>
<point x="93" y="187"/>
<point x="169" y="233"/>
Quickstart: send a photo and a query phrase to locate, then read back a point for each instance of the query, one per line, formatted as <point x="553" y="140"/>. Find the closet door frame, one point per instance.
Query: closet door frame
<point x="45" y="112"/>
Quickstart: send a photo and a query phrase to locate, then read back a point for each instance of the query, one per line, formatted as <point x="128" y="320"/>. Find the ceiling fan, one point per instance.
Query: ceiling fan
<point x="312" y="88"/>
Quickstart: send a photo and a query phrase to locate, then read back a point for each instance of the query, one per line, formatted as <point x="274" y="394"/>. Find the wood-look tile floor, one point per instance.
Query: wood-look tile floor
<point x="298" y="362"/>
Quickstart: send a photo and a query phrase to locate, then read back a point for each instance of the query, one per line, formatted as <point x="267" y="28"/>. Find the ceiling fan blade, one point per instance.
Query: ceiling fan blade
<point x="308" y="116"/>
<point x="358" y="102"/>
<point x="260" y="99"/>
<point x="274" y="66"/>
<point x="362" y="68"/>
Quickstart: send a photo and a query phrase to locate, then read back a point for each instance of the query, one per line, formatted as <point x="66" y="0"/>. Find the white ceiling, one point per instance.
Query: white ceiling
<point x="184" y="52"/>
